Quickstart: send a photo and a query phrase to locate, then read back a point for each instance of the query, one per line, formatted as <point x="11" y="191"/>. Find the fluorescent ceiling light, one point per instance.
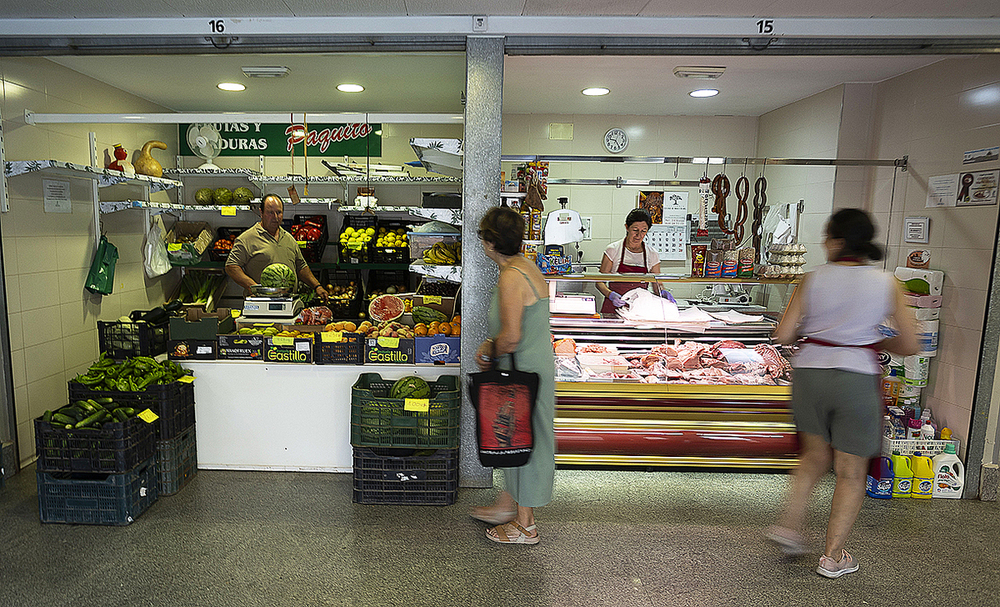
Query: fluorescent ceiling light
<point x="265" y="71"/>
<point x="350" y="88"/>
<point x="704" y="93"/>
<point x="231" y="86"/>
<point x="595" y="91"/>
<point x="699" y="72"/>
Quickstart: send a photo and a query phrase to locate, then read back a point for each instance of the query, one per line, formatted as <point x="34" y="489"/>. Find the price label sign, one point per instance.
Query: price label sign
<point x="186" y="379"/>
<point x="148" y="416"/>
<point x="420" y="405"/>
<point x="280" y="340"/>
<point x="432" y="299"/>
<point x="331" y="336"/>
<point x="388" y="342"/>
<point x="228" y="211"/>
<point x="174" y="246"/>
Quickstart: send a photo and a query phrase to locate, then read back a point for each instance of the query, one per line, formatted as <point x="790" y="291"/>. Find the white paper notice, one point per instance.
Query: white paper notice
<point x="55" y="194"/>
<point x="942" y="191"/>
<point x="669" y="239"/>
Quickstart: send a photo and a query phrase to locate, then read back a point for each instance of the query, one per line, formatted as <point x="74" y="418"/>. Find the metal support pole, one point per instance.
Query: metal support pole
<point x="480" y="192"/>
<point x="95" y="192"/>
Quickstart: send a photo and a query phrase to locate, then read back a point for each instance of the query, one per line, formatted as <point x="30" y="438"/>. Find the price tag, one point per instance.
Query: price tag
<point x="303" y="346"/>
<point x="279" y="340"/>
<point x="434" y="299"/>
<point x="228" y="211"/>
<point x="148" y="416"/>
<point x="420" y="405"/>
<point x="174" y="246"/>
<point x="388" y="342"/>
<point x="331" y="336"/>
<point x="236" y="313"/>
<point x="186" y="379"/>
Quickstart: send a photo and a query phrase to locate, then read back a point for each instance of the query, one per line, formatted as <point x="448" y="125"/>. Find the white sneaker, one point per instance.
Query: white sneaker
<point x="834" y="569"/>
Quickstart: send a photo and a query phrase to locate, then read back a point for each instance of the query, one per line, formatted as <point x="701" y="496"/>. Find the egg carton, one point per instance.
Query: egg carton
<point x="787" y="259"/>
<point x="778" y="271"/>
<point x="787" y="248"/>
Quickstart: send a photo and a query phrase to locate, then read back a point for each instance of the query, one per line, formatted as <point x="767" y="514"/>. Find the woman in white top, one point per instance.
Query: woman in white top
<point x="631" y="255"/>
<point x="836" y="385"/>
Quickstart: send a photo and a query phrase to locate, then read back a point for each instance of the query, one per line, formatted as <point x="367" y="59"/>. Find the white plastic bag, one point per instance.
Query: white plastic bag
<point x="154" y="258"/>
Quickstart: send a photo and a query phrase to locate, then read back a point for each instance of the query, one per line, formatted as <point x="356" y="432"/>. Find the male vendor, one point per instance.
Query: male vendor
<point x="265" y="243"/>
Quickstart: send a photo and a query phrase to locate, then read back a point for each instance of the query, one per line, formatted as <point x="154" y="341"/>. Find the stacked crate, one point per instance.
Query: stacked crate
<point x="405" y="450"/>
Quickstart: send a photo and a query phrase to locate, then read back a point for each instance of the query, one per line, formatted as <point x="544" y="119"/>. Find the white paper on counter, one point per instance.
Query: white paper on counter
<point x="732" y="317"/>
<point x="741" y="355"/>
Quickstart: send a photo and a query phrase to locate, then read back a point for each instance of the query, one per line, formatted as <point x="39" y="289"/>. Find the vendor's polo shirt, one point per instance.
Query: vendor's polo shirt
<point x="255" y="249"/>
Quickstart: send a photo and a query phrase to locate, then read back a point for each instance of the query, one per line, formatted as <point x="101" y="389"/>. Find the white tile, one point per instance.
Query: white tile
<point x="13" y="285"/>
<point x="21" y="404"/>
<point x="39" y="289"/>
<point x="47" y="393"/>
<point x="18" y="374"/>
<point x="958" y="346"/>
<point x="953" y="384"/>
<point x="80" y="350"/>
<point x="43" y="360"/>
<point x="14" y="329"/>
<point x="75" y="251"/>
<point x="964" y="308"/>
<point x="40" y="325"/>
<point x="964" y="270"/>
<point x="37" y="254"/>
<point x="9" y="253"/>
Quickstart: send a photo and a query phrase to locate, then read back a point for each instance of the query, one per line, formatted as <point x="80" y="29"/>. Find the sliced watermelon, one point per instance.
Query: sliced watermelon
<point x="385" y="307"/>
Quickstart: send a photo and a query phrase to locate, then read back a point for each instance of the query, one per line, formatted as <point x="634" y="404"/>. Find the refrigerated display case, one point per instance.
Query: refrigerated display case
<point x="709" y="412"/>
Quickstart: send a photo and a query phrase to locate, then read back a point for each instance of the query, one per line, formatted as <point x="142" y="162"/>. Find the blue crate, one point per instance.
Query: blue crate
<point x="176" y="462"/>
<point x="96" y="499"/>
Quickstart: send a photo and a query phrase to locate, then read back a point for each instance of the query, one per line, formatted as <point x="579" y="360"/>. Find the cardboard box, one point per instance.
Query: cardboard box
<point x="437" y="350"/>
<point x="192" y="349"/>
<point x="241" y="347"/>
<point x="435" y="302"/>
<point x="199" y="324"/>
<point x="188" y="253"/>
<point x="288" y="349"/>
<point x="388" y="351"/>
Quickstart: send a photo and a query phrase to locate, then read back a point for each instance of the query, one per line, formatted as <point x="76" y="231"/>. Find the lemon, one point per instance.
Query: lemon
<point x="370" y="231"/>
<point x="381" y="230"/>
<point x="349" y="231"/>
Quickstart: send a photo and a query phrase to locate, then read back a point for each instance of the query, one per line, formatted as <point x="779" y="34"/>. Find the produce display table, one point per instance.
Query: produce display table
<point x="281" y="417"/>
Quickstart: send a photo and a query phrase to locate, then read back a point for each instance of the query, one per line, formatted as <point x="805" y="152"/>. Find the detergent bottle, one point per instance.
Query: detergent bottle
<point x="949" y="474"/>
<point x="923" y="476"/>
<point x="879" y="481"/>
<point x="902" y="475"/>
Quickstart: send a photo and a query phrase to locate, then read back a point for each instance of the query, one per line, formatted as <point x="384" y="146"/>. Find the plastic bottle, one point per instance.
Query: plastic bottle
<point x="913" y="426"/>
<point x="946" y="433"/>
<point x="888" y="431"/>
<point x="927" y="431"/>
<point x="891" y="385"/>
<point x="902" y="475"/>
<point x="880" y="477"/>
<point x="949" y="474"/>
<point x="922" y="486"/>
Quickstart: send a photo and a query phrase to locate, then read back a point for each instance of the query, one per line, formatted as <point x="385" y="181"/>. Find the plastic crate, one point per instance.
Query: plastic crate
<point x="345" y="308"/>
<point x="421" y="479"/>
<point x="176" y="462"/>
<point x="113" y="448"/>
<point x="910" y="446"/>
<point x="394" y="254"/>
<point x="224" y="233"/>
<point x="312" y="251"/>
<point x="96" y="499"/>
<point x="421" y="241"/>
<point x="364" y="255"/>
<point x="127" y="339"/>
<point x="380" y="421"/>
<point x="351" y="351"/>
<point x="173" y="403"/>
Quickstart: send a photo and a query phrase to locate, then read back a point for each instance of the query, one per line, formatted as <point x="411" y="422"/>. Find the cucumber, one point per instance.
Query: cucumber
<point x="93" y="419"/>
<point x="104" y="400"/>
<point x="120" y="415"/>
<point x="85" y="405"/>
<point x="47" y="416"/>
<point x="96" y="405"/>
<point x="72" y="411"/>
<point x="59" y="418"/>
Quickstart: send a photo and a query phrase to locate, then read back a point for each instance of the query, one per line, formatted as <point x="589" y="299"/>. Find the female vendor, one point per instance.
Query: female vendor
<point x="631" y="255"/>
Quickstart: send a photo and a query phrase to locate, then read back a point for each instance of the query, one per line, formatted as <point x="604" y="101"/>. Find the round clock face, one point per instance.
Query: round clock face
<point x="615" y="140"/>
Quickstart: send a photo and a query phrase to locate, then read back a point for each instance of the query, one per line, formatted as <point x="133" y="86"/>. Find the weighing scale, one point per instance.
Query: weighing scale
<point x="271" y="309"/>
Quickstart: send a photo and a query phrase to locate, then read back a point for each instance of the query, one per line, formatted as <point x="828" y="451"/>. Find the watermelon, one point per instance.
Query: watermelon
<point x="385" y="307"/>
<point x="410" y="387"/>
<point x="278" y="275"/>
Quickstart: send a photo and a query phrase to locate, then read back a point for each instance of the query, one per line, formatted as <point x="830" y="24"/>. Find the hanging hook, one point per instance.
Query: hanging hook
<point x="763" y="167"/>
<point x="706" y="165"/>
<point x="677" y="166"/>
<point x="745" y="161"/>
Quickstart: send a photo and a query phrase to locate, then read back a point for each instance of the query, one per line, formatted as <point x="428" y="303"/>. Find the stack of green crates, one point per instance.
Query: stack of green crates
<point x="405" y="451"/>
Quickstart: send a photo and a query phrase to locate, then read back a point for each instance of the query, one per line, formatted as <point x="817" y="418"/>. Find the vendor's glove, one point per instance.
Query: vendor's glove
<point x="666" y="295"/>
<point x="616" y="299"/>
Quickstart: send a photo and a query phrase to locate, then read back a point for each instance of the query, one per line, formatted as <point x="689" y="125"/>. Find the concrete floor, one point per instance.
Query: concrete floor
<point x="629" y="538"/>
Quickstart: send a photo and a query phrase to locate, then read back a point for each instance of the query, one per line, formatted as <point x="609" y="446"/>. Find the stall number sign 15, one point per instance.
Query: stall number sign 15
<point x="765" y="26"/>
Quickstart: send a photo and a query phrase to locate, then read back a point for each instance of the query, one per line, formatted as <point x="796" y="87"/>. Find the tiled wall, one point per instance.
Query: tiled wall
<point x="933" y="115"/>
<point x="53" y="329"/>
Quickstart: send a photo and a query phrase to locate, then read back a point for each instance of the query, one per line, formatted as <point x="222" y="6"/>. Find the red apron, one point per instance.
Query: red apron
<point x="624" y="287"/>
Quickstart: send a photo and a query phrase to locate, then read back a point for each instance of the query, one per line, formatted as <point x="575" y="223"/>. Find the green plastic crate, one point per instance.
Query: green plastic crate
<point x="380" y="421"/>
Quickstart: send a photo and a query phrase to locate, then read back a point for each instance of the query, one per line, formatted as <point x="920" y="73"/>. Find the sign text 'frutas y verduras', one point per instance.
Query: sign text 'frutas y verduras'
<point x="264" y="139"/>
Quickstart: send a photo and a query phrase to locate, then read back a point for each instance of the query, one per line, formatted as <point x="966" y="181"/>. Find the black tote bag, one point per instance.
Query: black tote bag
<point x="504" y="401"/>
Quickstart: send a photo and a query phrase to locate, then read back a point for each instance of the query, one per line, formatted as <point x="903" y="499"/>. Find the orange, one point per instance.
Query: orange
<point x="457" y="320"/>
<point x="433" y="327"/>
<point x="444" y="328"/>
<point x="420" y="329"/>
<point x="350" y="327"/>
<point x="456" y="329"/>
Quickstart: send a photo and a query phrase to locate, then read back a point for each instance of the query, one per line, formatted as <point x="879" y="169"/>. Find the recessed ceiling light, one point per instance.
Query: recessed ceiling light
<point x="704" y="93"/>
<point x="595" y="91"/>
<point x="699" y="72"/>
<point x="350" y="88"/>
<point x="231" y="86"/>
<point x="264" y="71"/>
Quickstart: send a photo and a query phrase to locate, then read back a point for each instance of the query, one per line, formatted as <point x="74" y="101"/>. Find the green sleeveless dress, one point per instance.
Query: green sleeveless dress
<point x="531" y="484"/>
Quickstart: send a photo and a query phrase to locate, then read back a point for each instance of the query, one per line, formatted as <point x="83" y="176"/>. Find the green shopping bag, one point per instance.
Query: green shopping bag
<point x="101" y="278"/>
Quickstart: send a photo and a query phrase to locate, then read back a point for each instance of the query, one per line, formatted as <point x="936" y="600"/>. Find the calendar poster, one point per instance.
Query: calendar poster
<point x="669" y="238"/>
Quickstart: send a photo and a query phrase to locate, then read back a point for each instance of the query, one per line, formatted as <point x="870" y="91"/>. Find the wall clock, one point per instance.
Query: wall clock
<point x="615" y="140"/>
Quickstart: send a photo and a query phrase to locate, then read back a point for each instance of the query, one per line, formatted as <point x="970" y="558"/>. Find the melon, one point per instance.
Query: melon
<point x="278" y="275"/>
<point x="410" y="387"/>
<point x="386" y="307"/>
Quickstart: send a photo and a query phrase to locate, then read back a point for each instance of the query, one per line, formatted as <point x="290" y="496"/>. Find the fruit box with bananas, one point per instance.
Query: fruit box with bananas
<point x="436" y="248"/>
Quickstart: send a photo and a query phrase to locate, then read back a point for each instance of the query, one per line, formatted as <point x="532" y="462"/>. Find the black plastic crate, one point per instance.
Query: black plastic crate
<point x="223" y="233"/>
<point x="364" y="255"/>
<point x="351" y="351"/>
<point x="113" y="448"/>
<point x="176" y="462"/>
<point x="313" y="250"/>
<point x="173" y="403"/>
<point x="393" y="254"/>
<point x="349" y="308"/>
<point x="123" y="340"/>
<point x="96" y="499"/>
<point x="380" y="421"/>
<point x="424" y="478"/>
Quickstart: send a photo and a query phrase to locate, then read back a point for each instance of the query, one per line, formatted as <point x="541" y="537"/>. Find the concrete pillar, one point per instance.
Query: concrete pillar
<point x="480" y="192"/>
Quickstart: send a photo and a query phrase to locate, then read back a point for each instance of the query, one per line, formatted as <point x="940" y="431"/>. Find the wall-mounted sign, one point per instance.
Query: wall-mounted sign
<point x="55" y="196"/>
<point x="983" y="155"/>
<point x="264" y="139"/>
<point x="963" y="189"/>
<point x="916" y="229"/>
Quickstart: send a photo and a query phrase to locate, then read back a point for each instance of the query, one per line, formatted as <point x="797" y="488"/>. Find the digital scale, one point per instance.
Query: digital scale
<point x="271" y="308"/>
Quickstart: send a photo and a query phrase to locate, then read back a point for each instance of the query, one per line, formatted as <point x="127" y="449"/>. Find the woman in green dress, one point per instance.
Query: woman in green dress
<point x="519" y="323"/>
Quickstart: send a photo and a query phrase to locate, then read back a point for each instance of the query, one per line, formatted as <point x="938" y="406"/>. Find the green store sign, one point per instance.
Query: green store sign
<point x="264" y="139"/>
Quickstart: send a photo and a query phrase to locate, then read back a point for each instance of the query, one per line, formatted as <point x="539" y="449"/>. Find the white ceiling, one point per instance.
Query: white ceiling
<point x="425" y="82"/>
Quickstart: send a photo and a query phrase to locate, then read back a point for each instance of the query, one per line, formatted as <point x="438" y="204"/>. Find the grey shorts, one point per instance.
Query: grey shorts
<point x="843" y="407"/>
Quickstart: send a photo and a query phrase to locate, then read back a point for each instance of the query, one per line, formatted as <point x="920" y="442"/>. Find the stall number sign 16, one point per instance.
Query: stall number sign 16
<point x="217" y="25"/>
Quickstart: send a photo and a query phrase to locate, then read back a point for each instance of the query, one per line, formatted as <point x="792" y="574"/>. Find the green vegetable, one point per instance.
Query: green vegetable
<point x="410" y="387"/>
<point x="90" y="421"/>
<point x="63" y="419"/>
<point x="223" y="196"/>
<point x="428" y="315"/>
<point x="203" y="196"/>
<point x="242" y="195"/>
<point x="278" y="275"/>
<point x="47" y="416"/>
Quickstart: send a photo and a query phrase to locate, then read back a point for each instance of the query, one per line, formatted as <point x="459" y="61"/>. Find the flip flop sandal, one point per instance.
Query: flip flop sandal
<point x="502" y="534"/>
<point x="485" y="515"/>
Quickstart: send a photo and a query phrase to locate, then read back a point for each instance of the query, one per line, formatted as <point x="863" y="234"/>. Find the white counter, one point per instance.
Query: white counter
<point x="284" y="417"/>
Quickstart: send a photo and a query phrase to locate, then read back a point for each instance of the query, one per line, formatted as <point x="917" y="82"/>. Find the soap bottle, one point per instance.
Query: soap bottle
<point x="879" y="482"/>
<point x="927" y="431"/>
<point x="946" y="433"/>
<point x="922" y="486"/>
<point x="913" y="428"/>
<point x="902" y="475"/>
<point x="949" y="474"/>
